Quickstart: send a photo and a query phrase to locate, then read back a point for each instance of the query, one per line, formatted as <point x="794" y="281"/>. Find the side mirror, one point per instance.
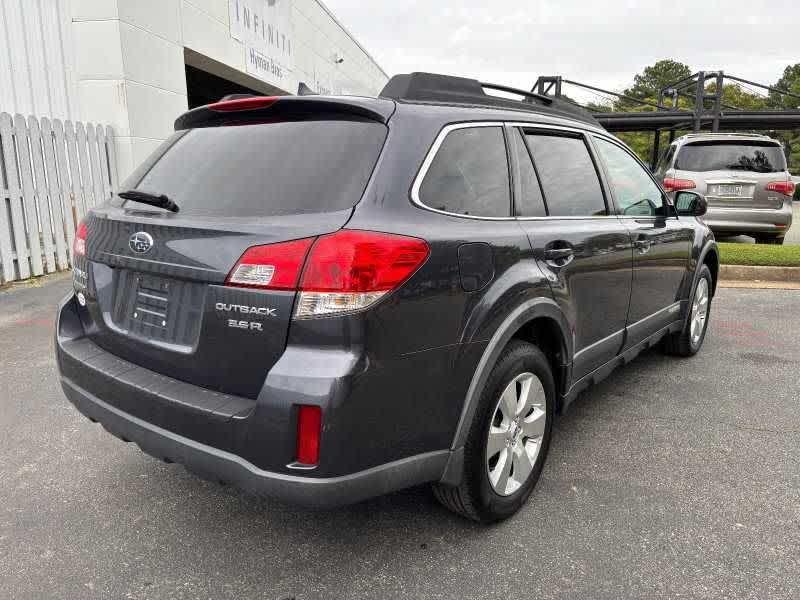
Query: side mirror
<point x="690" y="204"/>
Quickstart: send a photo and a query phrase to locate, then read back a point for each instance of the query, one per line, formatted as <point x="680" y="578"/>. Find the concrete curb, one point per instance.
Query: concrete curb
<point x="749" y="273"/>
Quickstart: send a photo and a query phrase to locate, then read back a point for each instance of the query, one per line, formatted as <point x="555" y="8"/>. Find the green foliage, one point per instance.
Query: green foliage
<point x="759" y="254"/>
<point x="649" y="82"/>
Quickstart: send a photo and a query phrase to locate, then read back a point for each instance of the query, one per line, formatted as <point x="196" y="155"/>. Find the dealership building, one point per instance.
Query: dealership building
<point x="135" y="65"/>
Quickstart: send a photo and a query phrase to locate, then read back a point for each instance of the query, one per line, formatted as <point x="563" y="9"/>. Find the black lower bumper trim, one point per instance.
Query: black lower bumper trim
<point x="223" y="466"/>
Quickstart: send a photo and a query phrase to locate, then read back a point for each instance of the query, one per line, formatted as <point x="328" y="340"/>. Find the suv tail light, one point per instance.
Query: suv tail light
<point x="782" y="187"/>
<point x="676" y="185"/>
<point x="350" y="270"/>
<point x="79" y="243"/>
<point x="274" y="266"/>
<point x="338" y="273"/>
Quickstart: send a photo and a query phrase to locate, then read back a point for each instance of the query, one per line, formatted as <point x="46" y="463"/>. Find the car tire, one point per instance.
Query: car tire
<point x="483" y="494"/>
<point x="689" y="340"/>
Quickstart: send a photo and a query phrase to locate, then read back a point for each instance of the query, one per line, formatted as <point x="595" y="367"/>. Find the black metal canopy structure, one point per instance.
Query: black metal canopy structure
<point x="708" y="111"/>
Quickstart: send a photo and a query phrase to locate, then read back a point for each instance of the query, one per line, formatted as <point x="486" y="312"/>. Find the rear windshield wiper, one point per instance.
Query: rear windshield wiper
<point x="160" y="201"/>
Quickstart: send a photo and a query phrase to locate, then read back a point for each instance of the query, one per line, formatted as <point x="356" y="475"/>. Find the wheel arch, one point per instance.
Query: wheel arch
<point x="532" y="320"/>
<point x="710" y="258"/>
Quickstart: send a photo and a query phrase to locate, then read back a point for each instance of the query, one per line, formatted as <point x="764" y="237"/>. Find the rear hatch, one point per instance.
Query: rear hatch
<point x="156" y="279"/>
<point x="734" y="173"/>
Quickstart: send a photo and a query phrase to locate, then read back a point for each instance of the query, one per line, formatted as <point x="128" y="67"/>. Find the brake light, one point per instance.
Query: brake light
<point x="782" y="187"/>
<point x="344" y="271"/>
<point x="273" y="266"/>
<point x="244" y="103"/>
<point x="676" y="185"/>
<point x="309" y="430"/>
<point x="349" y="270"/>
<point x="79" y="243"/>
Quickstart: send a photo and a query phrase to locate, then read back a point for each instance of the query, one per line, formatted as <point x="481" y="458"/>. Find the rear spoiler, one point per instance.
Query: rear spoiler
<point x="241" y="109"/>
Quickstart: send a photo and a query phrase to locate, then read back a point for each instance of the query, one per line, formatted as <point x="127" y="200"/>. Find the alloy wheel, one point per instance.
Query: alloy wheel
<point x="699" y="311"/>
<point x="516" y="433"/>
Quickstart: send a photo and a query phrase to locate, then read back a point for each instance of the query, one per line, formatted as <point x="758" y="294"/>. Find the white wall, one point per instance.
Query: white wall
<point x="121" y="62"/>
<point x="36" y="65"/>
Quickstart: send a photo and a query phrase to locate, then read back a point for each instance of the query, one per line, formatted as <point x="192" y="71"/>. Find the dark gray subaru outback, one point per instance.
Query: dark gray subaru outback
<point x="324" y="299"/>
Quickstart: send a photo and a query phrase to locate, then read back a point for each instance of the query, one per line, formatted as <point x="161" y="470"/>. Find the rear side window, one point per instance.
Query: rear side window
<point x="531" y="202"/>
<point x="265" y="169"/>
<point x="734" y="155"/>
<point x="469" y="174"/>
<point x="568" y="175"/>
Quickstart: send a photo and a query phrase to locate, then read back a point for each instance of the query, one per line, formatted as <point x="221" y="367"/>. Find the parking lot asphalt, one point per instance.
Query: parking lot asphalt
<point x="674" y="478"/>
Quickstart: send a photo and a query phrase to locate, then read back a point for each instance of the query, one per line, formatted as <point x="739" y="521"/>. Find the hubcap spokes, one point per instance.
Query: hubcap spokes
<point x="515" y="434"/>
<point x="699" y="311"/>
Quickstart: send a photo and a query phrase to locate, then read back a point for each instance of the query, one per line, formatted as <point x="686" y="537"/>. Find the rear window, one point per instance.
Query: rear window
<point x="761" y="157"/>
<point x="263" y="170"/>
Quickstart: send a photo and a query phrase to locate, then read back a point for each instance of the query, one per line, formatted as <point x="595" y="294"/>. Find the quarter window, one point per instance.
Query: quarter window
<point x="469" y="174"/>
<point x="635" y="192"/>
<point x="567" y="174"/>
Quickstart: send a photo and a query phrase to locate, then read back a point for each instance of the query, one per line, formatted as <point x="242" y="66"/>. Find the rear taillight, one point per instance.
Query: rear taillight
<point x="676" y="185"/>
<point x="274" y="266"/>
<point x="309" y="430"/>
<point x="782" y="187"/>
<point x="344" y="271"/>
<point x="349" y="270"/>
<point x="79" y="243"/>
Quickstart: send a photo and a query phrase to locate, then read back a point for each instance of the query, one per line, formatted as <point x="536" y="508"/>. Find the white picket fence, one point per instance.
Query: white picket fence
<point x="51" y="174"/>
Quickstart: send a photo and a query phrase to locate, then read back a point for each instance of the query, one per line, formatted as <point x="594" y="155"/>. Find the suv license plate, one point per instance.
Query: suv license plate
<point x="730" y="189"/>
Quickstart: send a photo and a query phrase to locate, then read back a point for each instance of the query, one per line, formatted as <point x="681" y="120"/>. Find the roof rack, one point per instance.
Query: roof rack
<point x="448" y="89"/>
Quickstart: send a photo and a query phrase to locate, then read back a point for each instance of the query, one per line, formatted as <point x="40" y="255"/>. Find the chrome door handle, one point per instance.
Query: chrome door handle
<point x="558" y="253"/>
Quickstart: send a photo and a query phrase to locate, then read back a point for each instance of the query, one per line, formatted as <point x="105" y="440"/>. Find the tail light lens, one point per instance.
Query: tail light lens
<point x="79" y="243"/>
<point x="309" y="430"/>
<point x="676" y="185"/>
<point x="344" y="271"/>
<point x="350" y="270"/>
<point x="274" y="266"/>
<point x="782" y="187"/>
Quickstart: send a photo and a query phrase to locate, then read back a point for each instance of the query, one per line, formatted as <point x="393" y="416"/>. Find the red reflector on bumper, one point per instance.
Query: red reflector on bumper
<point x="309" y="429"/>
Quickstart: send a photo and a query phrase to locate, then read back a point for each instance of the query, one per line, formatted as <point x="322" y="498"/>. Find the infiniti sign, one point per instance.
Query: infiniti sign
<point x="140" y="242"/>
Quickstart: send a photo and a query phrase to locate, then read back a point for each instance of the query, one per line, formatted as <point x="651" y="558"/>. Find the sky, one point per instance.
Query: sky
<point x="601" y="43"/>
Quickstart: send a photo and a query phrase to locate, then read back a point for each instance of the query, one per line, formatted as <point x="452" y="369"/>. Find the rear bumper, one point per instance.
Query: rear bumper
<point x="222" y="466"/>
<point x="215" y="435"/>
<point x="741" y="220"/>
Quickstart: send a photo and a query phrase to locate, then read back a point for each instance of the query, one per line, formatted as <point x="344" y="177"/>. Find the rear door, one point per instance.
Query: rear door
<point x="583" y="248"/>
<point x="662" y="242"/>
<point x="157" y="287"/>
<point x="734" y="173"/>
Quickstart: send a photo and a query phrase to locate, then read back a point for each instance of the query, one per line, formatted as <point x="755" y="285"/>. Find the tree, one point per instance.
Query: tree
<point x="790" y="81"/>
<point x="656" y="77"/>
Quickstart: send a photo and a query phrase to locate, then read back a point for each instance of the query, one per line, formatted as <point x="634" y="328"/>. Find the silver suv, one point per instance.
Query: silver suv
<point x="743" y="176"/>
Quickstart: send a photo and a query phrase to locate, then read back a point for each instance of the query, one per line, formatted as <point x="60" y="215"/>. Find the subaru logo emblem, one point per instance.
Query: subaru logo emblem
<point x="141" y="242"/>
